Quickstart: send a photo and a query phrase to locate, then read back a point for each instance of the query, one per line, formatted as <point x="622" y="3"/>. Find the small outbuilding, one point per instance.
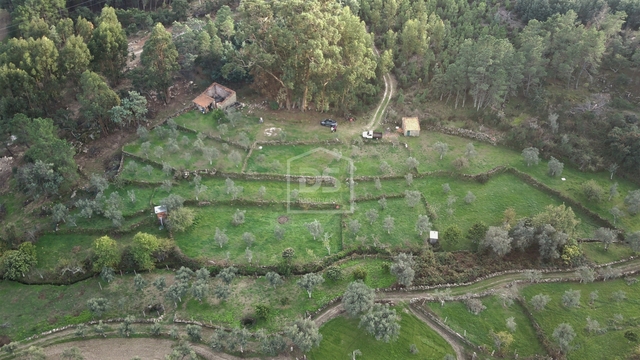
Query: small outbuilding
<point x="215" y="96"/>
<point x="161" y="213"/>
<point x="433" y="237"/>
<point x="410" y="126"/>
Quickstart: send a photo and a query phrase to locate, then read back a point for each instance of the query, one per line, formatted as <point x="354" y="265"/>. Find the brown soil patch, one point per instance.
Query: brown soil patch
<point x="42" y="295"/>
<point x="5" y="168"/>
<point x="76" y="249"/>
<point x="114" y="349"/>
<point x="52" y="320"/>
<point x="283" y="219"/>
<point x="4" y="340"/>
<point x="60" y="297"/>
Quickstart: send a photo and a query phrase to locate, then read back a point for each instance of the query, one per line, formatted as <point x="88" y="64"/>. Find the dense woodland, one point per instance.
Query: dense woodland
<point x="63" y="71"/>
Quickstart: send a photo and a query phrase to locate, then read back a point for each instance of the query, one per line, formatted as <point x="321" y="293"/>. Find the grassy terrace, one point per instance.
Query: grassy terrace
<point x="186" y="155"/>
<point x="492" y="199"/>
<point x="478" y="327"/>
<point x="260" y="221"/>
<point x="611" y="344"/>
<point x="36" y="308"/>
<point x="342" y="336"/>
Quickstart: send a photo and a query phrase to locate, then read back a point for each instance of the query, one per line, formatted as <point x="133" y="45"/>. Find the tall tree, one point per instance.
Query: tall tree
<point x="297" y="50"/>
<point x="142" y="248"/>
<point x="108" y="45"/>
<point x="107" y="254"/>
<point x="96" y="99"/>
<point x="160" y="60"/>
<point x="74" y="57"/>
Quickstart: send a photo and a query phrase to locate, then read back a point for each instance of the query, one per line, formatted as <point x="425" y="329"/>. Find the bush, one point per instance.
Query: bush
<point x="593" y="191"/>
<point x="460" y="163"/>
<point x="334" y="273"/>
<point x="359" y="273"/>
<point x="180" y="219"/>
<point x="475" y="306"/>
<point x="263" y="311"/>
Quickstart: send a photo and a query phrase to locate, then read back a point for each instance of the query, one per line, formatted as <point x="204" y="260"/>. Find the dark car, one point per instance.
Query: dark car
<point x="329" y="123"/>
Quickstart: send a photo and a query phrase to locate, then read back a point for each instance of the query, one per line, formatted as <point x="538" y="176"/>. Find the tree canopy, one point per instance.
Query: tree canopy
<point x="298" y="49"/>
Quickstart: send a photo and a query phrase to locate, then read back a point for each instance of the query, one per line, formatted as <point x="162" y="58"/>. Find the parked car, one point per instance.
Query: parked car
<point x="372" y="135"/>
<point x="329" y="123"/>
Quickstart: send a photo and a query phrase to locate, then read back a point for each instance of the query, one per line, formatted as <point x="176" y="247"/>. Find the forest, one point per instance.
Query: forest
<point x="67" y="62"/>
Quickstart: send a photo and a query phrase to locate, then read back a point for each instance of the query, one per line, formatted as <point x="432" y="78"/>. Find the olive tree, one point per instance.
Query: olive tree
<point x="497" y="240"/>
<point x="539" y="301"/>
<point x="402" y="268"/>
<point x="441" y="148"/>
<point x="606" y="236"/>
<point x="309" y="281"/>
<point x="304" y="334"/>
<point x="530" y="156"/>
<point x="274" y="279"/>
<point x="381" y="322"/>
<point x="564" y="335"/>
<point x="358" y="298"/>
<point x="555" y="167"/>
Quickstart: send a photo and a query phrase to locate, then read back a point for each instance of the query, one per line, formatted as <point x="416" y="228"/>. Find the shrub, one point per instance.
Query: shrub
<point x="475" y="306"/>
<point x="593" y="191"/>
<point x="359" y="273"/>
<point x="334" y="273"/>
<point x="460" y="163"/>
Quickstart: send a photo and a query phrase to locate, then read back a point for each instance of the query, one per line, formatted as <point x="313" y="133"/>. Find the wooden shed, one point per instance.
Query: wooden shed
<point x="410" y="126"/>
<point x="215" y="96"/>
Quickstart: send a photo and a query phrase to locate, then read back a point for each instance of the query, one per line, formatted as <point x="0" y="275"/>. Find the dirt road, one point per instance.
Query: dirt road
<point x="386" y="97"/>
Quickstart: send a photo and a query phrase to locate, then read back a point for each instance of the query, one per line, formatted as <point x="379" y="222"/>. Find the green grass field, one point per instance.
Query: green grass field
<point x="478" y="327"/>
<point x="31" y="309"/>
<point x="198" y="241"/>
<point x="137" y="171"/>
<point x="341" y="336"/>
<point x="186" y="155"/>
<point x="404" y="221"/>
<point x="610" y="345"/>
<point x="287" y="301"/>
<point x="490" y="156"/>
<point x="492" y="199"/>
<point x="596" y="252"/>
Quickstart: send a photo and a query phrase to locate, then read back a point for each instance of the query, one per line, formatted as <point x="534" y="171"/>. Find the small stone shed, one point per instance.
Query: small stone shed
<point x="215" y="96"/>
<point x="410" y="126"/>
<point x="161" y="213"/>
<point x="433" y="237"/>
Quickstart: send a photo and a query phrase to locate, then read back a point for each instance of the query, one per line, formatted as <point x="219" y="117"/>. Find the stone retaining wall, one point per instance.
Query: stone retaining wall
<point x="466" y="133"/>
